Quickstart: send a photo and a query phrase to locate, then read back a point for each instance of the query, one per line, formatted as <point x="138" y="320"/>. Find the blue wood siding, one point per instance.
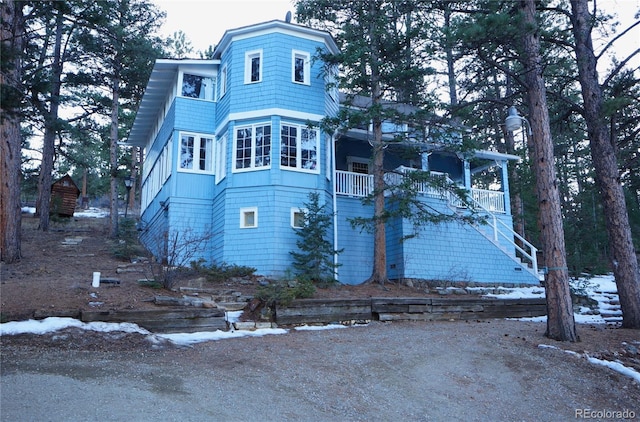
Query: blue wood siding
<point x="195" y="115"/>
<point x="357" y="256"/>
<point x="276" y="89"/>
<point x="267" y="246"/>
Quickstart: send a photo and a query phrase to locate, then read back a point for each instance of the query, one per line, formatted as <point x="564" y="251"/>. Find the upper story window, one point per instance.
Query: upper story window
<point x="253" y="67"/>
<point x="301" y="67"/>
<point x="223" y="81"/>
<point x="195" y="86"/>
<point x="196" y="153"/>
<point x="299" y="146"/>
<point x="252" y="146"/>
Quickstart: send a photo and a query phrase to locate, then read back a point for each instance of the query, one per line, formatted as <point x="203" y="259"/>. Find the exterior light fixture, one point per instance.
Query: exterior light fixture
<point x="128" y="183"/>
<point x="514" y="121"/>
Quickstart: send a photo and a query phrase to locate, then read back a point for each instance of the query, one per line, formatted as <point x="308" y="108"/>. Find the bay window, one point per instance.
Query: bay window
<point x="252" y="146"/>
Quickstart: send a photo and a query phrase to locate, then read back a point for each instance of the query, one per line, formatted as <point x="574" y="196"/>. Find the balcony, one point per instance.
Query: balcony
<point x="361" y="185"/>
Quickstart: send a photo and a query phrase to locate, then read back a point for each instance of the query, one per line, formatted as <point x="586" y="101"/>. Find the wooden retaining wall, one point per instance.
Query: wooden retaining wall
<point x="189" y="319"/>
<point x="406" y="309"/>
<point x="165" y="320"/>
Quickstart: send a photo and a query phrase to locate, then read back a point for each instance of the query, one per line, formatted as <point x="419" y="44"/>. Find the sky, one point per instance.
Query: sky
<point x="205" y="21"/>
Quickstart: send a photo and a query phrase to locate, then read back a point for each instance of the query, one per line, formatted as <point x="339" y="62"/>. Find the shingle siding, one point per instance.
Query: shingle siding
<point x="193" y="205"/>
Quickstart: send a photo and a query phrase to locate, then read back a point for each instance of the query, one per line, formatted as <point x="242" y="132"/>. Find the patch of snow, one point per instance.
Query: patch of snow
<point x="618" y="367"/>
<point x="519" y="293"/>
<point x="52" y="324"/>
<point x="185" y="339"/>
<point x="319" y="327"/>
<point x="92" y="213"/>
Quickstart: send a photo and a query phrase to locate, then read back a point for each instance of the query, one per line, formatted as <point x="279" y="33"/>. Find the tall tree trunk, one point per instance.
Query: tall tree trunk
<point x="623" y="254"/>
<point x="43" y="204"/>
<point x="379" y="274"/>
<point x="12" y="30"/>
<point x="113" y="156"/>
<point x="560" y="321"/>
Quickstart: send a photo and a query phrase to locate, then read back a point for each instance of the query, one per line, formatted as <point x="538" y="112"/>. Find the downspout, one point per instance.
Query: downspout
<point x="335" y="207"/>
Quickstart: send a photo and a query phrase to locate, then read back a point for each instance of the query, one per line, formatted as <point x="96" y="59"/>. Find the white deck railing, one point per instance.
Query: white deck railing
<point x="361" y="185"/>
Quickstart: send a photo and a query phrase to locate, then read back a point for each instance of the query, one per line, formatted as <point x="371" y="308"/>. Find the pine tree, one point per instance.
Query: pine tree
<point x="315" y="259"/>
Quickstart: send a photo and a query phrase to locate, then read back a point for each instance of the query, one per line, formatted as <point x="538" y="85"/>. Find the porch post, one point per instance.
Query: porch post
<point x="505" y="186"/>
<point x="467" y="175"/>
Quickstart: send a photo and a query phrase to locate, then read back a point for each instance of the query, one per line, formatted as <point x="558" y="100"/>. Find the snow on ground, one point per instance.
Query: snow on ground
<point x="88" y="213"/>
<point x="601" y="288"/>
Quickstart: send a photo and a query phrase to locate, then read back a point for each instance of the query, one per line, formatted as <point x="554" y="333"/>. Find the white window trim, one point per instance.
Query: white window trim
<point x="223" y="80"/>
<point x="249" y="55"/>
<point x="298" y="166"/>
<point x="295" y="211"/>
<point x="243" y="212"/>
<point x="198" y="137"/>
<point x="307" y="66"/>
<point x="253" y="167"/>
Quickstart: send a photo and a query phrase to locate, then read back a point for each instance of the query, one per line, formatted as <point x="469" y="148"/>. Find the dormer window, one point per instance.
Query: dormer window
<point x="253" y="67"/>
<point x="196" y="86"/>
<point x="300" y="67"/>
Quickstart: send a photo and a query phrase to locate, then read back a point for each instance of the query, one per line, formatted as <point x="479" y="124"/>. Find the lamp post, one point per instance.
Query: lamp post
<point x="128" y="183"/>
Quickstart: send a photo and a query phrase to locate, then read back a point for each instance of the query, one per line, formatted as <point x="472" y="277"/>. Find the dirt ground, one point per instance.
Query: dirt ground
<point x="54" y="278"/>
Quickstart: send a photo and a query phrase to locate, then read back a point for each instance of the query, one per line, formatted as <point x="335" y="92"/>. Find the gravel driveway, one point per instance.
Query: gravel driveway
<point x="476" y="371"/>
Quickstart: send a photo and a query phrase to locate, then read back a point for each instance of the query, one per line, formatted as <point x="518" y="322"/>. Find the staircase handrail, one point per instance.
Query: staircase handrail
<point x="531" y="256"/>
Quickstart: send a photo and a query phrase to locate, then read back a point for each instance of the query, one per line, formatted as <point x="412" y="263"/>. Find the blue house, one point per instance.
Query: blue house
<point x="233" y="148"/>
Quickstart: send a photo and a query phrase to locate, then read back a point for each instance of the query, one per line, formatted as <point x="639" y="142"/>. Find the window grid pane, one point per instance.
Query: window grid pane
<point x="186" y="152"/>
<point x="206" y="145"/>
<point x="263" y="146"/>
<point x="243" y="151"/>
<point x="288" y="151"/>
<point x="308" y="149"/>
<point x="299" y="69"/>
<point x="255" y="69"/>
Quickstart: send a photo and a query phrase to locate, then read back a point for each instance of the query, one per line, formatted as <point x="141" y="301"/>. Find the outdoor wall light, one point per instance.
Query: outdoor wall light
<point x="514" y="121"/>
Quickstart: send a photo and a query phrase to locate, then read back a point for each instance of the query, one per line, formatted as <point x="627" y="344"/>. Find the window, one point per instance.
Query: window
<point x="358" y="165"/>
<point x="196" y="153"/>
<point x="223" y="81"/>
<point x="194" y="86"/>
<point x="253" y="67"/>
<point x="298" y="217"/>
<point x="299" y="147"/>
<point x="221" y="158"/>
<point x="300" y="67"/>
<point x="252" y="147"/>
<point x="248" y="217"/>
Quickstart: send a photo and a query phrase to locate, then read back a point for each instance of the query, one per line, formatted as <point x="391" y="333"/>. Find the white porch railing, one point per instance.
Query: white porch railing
<point x="353" y="184"/>
<point x="361" y="185"/>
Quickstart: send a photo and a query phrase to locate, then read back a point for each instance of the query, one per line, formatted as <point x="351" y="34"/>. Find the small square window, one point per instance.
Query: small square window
<point x="248" y="217"/>
<point x="298" y="218"/>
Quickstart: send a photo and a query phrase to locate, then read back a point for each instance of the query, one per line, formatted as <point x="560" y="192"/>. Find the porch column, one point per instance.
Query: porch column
<point x="467" y="175"/>
<point x="505" y="186"/>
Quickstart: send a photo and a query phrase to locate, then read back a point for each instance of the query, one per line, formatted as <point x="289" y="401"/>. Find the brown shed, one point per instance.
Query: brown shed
<point x="64" y="194"/>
